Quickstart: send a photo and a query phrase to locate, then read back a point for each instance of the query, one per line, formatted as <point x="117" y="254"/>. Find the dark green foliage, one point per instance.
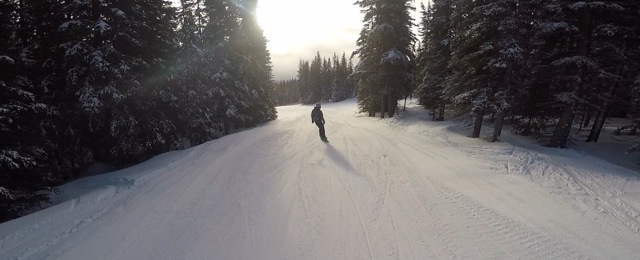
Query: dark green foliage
<point x="537" y="64"/>
<point x="115" y="57"/>
<point x="324" y="79"/>
<point x="120" y="81"/>
<point x="434" y="57"/>
<point x="287" y="92"/>
<point x="385" y="71"/>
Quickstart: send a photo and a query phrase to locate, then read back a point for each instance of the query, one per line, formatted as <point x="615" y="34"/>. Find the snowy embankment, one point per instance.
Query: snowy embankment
<point x="404" y="188"/>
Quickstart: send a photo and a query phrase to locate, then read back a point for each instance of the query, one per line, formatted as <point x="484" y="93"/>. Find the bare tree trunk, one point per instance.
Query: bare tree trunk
<point x="404" y="107"/>
<point x="433" y="114"/>
<point x="392" y="105"/>
<point x="584" y="114"/>
<point x="596" y="129"/>
<point x="477" y="125"/>
<point x="528" y="129"/>
<point x="587" y="119"/>
<point x="382" y="107"/>
<point x="563" y="127"/>
<point x="440" y="112"/>
<point x="606" y="105"/>
<point x="498" y="128"/>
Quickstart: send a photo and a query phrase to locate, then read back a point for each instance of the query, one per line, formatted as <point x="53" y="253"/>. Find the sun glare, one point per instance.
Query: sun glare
<point x="291" y="24"/>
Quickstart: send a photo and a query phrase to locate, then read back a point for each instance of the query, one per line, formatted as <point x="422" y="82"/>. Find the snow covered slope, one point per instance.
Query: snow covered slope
<point x="404" y="188"/>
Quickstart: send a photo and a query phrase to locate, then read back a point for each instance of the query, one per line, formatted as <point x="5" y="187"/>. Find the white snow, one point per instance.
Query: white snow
<point x="394" y="56"/>
<point x="65" y="26"/>
<point x="79" y="47"/>
<point x="5" y="193"/>
<point x="595" y="5"/>
<point x="401" y="188"/>
<point x="119" y="13"/>
<point x="6" y="59"/>
<point x="102" y="26"/>
<point x="557" y="27"/>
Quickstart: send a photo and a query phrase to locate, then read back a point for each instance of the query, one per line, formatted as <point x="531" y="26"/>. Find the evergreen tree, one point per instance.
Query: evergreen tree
<point x="316" y="79"/>
<point x="254" y="65"/>
<point x="340" y="88"/>
<point x="346" y="86"/>
<point x="579" y="65"/>
<point x="327" y="75"/>
<point x="326" y="78"/>
<point x="37" y="150"/>
<point x="115" y="56"/>
<point x="304" y="82"/>
<point x="188" y="109"/>
<point x="287" y="92"/>
<point x="435" y="56"/>
<point x="385" y="71"/>
<point x="615" y="45"/>
<point x="20" y="111"/>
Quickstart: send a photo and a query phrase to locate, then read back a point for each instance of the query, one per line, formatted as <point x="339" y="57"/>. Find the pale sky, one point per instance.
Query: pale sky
<point x="299" y="28"/>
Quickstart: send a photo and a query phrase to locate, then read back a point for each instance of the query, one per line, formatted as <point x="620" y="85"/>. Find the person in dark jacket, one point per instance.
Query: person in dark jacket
<point x="318" y="119"/>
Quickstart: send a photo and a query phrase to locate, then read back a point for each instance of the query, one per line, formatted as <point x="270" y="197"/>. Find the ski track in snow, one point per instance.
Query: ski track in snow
<point x="380" y="189"/>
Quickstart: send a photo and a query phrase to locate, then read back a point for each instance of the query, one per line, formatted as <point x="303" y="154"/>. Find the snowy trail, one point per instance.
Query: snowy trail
<point x="381" y="189"/>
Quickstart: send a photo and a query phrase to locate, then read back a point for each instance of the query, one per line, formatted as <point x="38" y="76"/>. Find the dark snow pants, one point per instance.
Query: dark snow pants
<point x="321" y="128"/>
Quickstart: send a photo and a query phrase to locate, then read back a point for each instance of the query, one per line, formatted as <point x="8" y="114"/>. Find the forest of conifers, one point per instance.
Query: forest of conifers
<point x="120" y="81"/>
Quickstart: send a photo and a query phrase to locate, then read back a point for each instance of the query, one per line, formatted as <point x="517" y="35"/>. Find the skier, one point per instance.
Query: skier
<point x="318" y="118"/>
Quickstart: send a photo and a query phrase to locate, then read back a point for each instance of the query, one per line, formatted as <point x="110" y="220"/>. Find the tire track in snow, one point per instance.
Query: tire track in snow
<point x="567" y="179"/>
<point x="611" y="202"/>
<point x="499" y="231"/>
<point x="495" y="229"/>
<point x="578" y="182"/>
<point x="438" y="217"/>
<point x="364" y="227"/>
<point x="427" y="218"/>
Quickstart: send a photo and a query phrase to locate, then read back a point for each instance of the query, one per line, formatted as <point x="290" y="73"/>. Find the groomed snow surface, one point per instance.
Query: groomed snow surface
<point x="401" y="188"/>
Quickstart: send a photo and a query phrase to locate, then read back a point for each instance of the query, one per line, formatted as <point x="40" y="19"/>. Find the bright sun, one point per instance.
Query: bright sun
<point x="290" y="24"/>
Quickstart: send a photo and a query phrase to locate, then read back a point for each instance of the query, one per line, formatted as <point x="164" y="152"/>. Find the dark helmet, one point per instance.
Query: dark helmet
<point x="318" y="105"/>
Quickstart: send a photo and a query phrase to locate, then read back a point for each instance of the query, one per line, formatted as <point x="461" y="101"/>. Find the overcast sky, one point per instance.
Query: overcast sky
<point x="299" y="28"/>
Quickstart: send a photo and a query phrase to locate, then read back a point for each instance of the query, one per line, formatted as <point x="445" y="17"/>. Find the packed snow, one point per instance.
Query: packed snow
<point x="401" y="188"/>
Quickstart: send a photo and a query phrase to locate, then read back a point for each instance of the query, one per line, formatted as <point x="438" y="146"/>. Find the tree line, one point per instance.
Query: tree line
<point x="120" y="81"/>
<point x="537" y="65"/>
<point x="541" y="66"/>
<point x="322" y="79"/>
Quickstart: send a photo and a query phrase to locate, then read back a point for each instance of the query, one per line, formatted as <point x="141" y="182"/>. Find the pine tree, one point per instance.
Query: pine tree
<point x="435" y="56"/>
<point x="222" y="92"/>
<point x="115" y="56"/>
<point x="287" y="92"/>
<point x="339" y="84"/>
<point x="615" y="45"/>
<point x="187" y="109"/>
<point x="316" y="79"/>
<point x="385" y="71"/>
<point x="579" y="64"/>
<point x="36" y="151"/>
<point x="254" y="64"/>
<point x="327" y="75"/>
<point x="304" y="82"/>
<point x="466" y="86"/>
